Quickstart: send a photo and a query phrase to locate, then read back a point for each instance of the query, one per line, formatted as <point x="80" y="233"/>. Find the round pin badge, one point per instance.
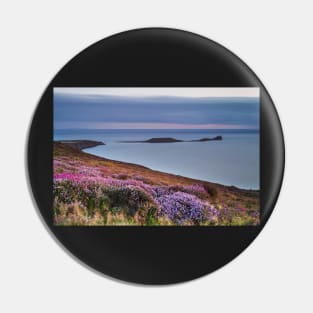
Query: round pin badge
<point x="155" y="156"/>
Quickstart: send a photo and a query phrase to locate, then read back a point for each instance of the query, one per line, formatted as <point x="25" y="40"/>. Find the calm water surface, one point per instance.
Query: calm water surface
<point x="232" y="161"/>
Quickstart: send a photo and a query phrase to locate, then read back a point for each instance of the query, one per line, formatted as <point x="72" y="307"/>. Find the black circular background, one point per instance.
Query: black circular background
<point x="154" y="57"/>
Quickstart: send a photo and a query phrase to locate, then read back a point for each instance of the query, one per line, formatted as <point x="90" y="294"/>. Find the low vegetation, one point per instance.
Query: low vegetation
<point x="90" y="190"/>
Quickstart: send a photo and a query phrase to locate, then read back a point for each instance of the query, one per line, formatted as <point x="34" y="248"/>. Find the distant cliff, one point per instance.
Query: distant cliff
<point x="81" y="144"/>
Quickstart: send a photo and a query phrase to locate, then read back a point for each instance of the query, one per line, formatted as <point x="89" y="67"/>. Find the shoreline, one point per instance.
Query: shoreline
<point x="131" y="194"/>
<point x="81" y="145"/>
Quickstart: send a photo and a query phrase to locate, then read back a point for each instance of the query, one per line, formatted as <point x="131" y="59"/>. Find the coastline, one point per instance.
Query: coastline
<point x="234" y="161"/>
<point x="81" y="144"/>
<point x="59" y="144"/>
<point x="93" y="190"/>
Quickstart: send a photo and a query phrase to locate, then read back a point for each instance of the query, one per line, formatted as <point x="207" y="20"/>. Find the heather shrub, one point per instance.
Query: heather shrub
<point x="104" y="196"/>
<point x="237" y="217"/>
<point x="196" y="190"/>
<point x="122" y="176"/>
<point x="212" y="191"/>
<point x="183" y="208"/>
<point x="129" y="198"/>
<point x="87" y="195"/>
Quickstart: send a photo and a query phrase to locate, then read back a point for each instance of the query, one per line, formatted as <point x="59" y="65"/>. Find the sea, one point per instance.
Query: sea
<point x="233" y="161"/>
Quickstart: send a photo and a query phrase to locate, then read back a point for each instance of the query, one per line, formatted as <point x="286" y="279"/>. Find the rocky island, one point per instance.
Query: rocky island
<point x="169" y="140"/>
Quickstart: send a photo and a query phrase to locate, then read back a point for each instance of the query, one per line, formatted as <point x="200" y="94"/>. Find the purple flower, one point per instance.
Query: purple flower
<point x="181" y="208"/>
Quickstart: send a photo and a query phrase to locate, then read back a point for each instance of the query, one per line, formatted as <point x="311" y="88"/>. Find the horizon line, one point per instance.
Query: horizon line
<point x="156" y="129"/>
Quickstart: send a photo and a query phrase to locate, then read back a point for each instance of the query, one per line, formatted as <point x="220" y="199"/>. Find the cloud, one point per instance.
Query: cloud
<point x="191" y="92"/>
<point x="158" y="111"/>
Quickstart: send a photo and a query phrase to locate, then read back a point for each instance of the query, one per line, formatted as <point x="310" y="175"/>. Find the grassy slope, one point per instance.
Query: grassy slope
<point x="229" y="195"/>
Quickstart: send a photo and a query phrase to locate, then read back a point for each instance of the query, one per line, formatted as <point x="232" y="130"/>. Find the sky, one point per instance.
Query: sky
<point x="156" y="108"/>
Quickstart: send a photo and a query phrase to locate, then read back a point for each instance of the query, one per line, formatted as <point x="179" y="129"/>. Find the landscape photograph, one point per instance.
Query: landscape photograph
<point x="156" y="156"/>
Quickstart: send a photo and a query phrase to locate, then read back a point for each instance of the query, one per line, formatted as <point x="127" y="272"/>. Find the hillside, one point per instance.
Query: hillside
<point x="89" y="190"/>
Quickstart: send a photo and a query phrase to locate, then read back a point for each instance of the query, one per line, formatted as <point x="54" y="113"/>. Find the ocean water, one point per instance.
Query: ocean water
<point x="233" y="161"/>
